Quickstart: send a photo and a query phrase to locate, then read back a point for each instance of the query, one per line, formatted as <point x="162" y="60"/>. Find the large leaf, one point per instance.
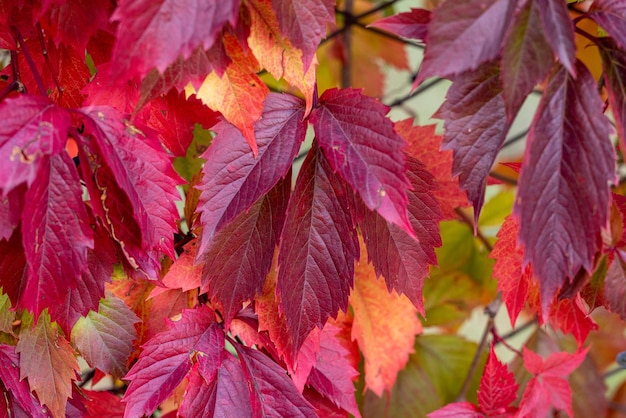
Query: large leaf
<point x="401" y="259"/>
<point x="317" y="249"/>
<point x="48" y="362"/>
<point x="233" y="178"/>
<point x="611" y="16"/>
<point x="565" y="177"/>
<point x="555" y="19"/>
<point x="475" y="127"/>
<point x="464" y="34"/>
<point x="105" y="338"/>
<point x="361" y="145"/>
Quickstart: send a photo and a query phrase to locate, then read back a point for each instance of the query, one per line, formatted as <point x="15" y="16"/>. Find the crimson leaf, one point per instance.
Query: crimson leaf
<point x="361" y="145"/>
<point x="18" y="389"/>
<point x="555" y="19"/>
<point x="317" y="250"/>
<point x="498" y="389"/>
<point x="564" y="181"/>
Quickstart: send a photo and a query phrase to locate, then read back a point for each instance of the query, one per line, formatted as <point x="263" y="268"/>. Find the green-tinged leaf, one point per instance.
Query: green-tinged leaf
<point x="105" y="338"/>
<point x="449" y="299"/>
<point x="457" y="248"/>
<point x="496" y="209"/>
<point x="6" y="315"/>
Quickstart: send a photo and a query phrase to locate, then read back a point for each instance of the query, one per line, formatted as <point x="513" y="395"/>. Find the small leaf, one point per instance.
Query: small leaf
<point x="614" y="289"/>
<point x="555" y="19"/>
<point x="498" y="389"/>
<point x="412" y="24"/>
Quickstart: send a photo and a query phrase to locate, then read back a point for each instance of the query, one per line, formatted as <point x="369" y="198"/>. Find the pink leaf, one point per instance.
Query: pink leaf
<point x="457" y="409"/>
<point x="412" y="24"/>
<point x="614" y="66"/>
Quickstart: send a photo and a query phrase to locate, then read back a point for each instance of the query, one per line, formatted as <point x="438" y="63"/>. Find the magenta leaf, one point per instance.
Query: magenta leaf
<point x="567" y="168"/>
<point x="614" y="66"/>
<point x="304" y="23"/>
<point x="556" y="22"/>
<point x="32" y="128"/>
<point x="611" y="16"/>
<point x="412" y="24"/>
<point x="11" y="211"/>
<point x="360" y="144"/>
<point x="233" y="178"/>
<point x="13" y="268"/>
<point x="475" y="128"/>
<point x="464" y="34"/>
<point x="240" y="256"/>
<point x="457" y="410"/>
<point x="527" y="57"/>
<point x="154" y="33"/>
<point x="401" y="259"/>
<point x="317" y="250"/>
<point x="166" y="359"/>
<point x="272" y="392"/>
<point x="55" y="234"/>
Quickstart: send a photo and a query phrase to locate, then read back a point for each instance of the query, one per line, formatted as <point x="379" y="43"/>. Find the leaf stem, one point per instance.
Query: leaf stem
<point x="29" y="60"/>
<point x="44" y="51"/>
<point x="586" y="34"/>
<point x="14" y="86"/>
<point x="467" y="220"/>
<point x="519" y="329"/>
<point x="422" y="88"/>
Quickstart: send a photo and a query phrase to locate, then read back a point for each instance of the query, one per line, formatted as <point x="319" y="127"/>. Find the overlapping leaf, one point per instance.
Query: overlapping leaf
<point x="412" y="24"/>
<point x="555" y="19"/>
<point x="565" y="177"/>
<point x="611" y="16"/>
<point x="614" y="66"/>
<point x="19" y="391"/>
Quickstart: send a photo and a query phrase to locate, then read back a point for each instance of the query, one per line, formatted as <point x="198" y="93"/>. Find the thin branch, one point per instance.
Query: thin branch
<point x="512" y="140"/>
<point x="346" y="69"/>
<point x="422" y="88"/>
<point x="613" y="372"/>
<point x="44" y="52"/>
<point x="467" y="220"/>
<point x="504" y="179"/>
<point x="29" y="60"/>
<point x="521" y="328"/>
<point x="388" y="35"/>
<point x="586" y="34"/>
<point x="13" y="86"/>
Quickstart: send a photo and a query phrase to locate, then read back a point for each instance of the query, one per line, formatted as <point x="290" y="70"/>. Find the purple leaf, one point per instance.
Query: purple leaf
<point x="611" y="16"/>
<point x="556" y="22"/>
<point x="475" y="128"/>
<point x="360" y="144"/>
<point x="317" y="250"/>
<point x="567" y="168"/>
<point x="412" y="24"/>
<point x="233" y="178"/>
<point x="614" y="66"/>
<point x="401" y="259"/>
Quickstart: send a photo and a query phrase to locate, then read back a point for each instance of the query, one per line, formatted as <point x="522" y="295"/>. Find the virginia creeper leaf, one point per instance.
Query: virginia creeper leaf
<point x="412" y="24"/>
<point x="233" y="178"/>
<point x="13" y="267"/>
<point x="33" y="127"/>
<point x="457" y="409"/>
<point x="555" y="19"/>
<point x="611" y="16"/>
<point x="166" y="359"/>
<point x="571" y="317"/>
<point x="361" y="145"/>
<point x="385" y="326"/>
<point x="401" y="259"/>
<point x="11" y="211"/>
<point x="48" y="362"/>
<point x="103" y="404"/>
<point x="565" y="177"/>
<point x="317" y="249"/>
<point x="498" y="389"/>
<point x="184" y="274"/>
<point x="614" y="286"/>
<point x="105" y="338"/>
<point x="464" y="34"/>
<point x="475" y="128"/>
<point x="240" y="255"/>
<point x="153" y="34"/>
<point x="614" y="66"/>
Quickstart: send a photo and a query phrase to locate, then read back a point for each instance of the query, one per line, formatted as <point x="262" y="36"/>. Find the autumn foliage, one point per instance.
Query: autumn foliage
<point x="210" y="205"/>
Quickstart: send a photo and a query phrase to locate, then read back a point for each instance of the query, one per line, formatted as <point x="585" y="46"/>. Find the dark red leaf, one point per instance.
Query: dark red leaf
<point x="240" y="255"/>
<point x="475" y="127"/>
<point x="464" y="34"/>
<point x="565" y="177"/>
<point x="611" y="16"/>
<point x="412" y="24"/>
<point x="317" y="250"/>
<point x="555" y="19"/>
<point x="233" y="178"/>
<point x="103" y="405"/>
<point x="166" y="359"/>
<point x="360" y="144"/>
<point x="13" y="267"/>
<point x="615" y="286"/>
<point x="527" y="57"/>
<point x="614" y="66"/>
<point x="401" y="259"/>
<point x="498" y="389"/>
<point x="11" y="212"/>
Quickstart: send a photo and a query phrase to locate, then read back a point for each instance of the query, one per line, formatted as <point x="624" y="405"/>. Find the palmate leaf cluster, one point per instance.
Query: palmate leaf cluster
<point x="282" y="289"/>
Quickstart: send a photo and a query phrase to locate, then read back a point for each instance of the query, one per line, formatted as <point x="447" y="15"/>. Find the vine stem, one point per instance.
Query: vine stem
<point x="467" y="220"/>
<point x="346" y="69"/>
<point x="29" y="60"/>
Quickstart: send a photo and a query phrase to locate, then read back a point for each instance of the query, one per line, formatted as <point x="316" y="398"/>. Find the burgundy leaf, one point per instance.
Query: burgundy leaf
<point x="464" y="34"/>
<point x="412" y="24"/>
<point x="614" y="66"/>
<point x="233" y="178"/>
<point x="611" y="16"/>
<point x="317" y="250"/>
<point x="361" y="145"/>
<point x="55" y="234"/>
<point x="475" y="128"/>
<point x="153" y="33"/>
<point x="166" y="359"/>
<point x="304" y="23"/>
<point x="11" y="211"/>
<point x="271" y="391"/>
<point x="614" y="285"/>
<point x="527" y="57"/>
<point x="556" y="22"/>
<point x="13" y="268"/>
<point x="401" y="259"/>
<point x="565" y="177"/>
<point x="32" y="127"/>
<point x="240" y="256"/>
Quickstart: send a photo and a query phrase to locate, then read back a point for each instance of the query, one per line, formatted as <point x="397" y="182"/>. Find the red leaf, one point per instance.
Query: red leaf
<point x="457" y="409"/>
<point x="614" y="289"/>
<point x="555" y="19"/>
<point x="240" y="255"/>
<point x="159" y="31"/>
<point x="11" y="212"/>
<point x="166" y="359"/>
<point x="401" y="259"/>
<point x="475" y="127"/>
<point x="360" y="144"/>
<point x="498" y="389"/>
<point x="233" y="178"/>
<point x="13" y="267"/>
<point x="32" y="128"/>
<point x="570" y="317"/>
<point x="614" y="66"/>
<point x="412" y="24"/>
<point x="527" y="57"/>
<point x="184" y="274"/>
<point x="464" y="34"/>
<point x="56" y="235"/>
<point x="611" y="16"/>
<point x="304" y="23"/>
<point x="18" y="389"/>
<point x="565" y="177"/>
<point x="103" y="404"/>
<point x="317" y="249"/>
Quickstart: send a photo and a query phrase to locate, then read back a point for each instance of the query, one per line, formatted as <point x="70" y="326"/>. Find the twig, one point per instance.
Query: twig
<point x="44" y="52"/>
<point x="613" y="372"/>
<point x="346" y="69"/>
<point x="467" y="220"/>
<point x="422" y="88"/>
<point x="388" y="35"/>
<point x="504" y="179"/>
<point x="29" y="60"/>
<point x="519" y="329"/>
<point x="512" y="140"/>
